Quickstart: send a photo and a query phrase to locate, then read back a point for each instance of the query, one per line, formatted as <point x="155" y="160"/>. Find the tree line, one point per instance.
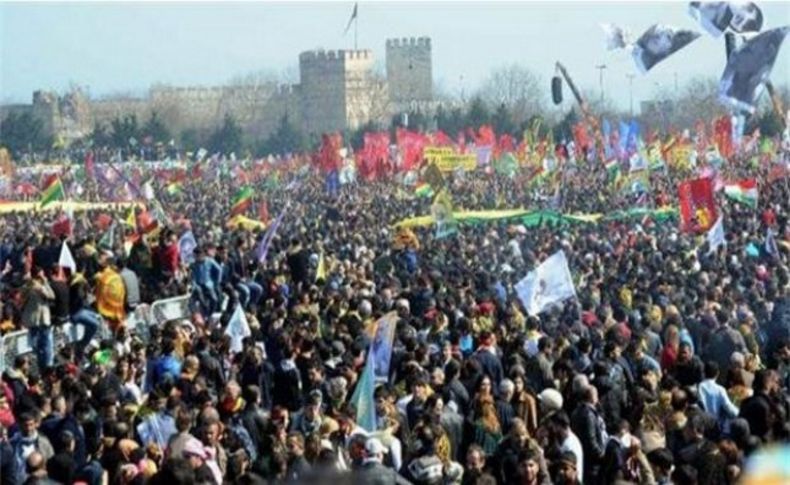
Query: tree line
<point x="509" y="100"/>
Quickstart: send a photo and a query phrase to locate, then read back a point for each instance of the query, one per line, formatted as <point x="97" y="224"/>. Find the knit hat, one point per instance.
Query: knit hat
<point x="551" y="400"/>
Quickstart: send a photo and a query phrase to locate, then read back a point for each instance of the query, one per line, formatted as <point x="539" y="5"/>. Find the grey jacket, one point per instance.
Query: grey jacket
<point x="35" y="307"/>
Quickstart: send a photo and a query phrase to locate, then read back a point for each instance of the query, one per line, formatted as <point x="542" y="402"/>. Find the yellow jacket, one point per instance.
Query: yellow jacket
<point x="110" y="295"/>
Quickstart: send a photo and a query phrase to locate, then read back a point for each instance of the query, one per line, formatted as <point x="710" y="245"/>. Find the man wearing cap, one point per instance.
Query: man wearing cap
<point x="567" y="472"/>
<point x="372" y="472"/>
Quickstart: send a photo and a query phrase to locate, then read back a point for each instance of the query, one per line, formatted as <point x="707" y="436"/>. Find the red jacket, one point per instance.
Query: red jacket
<point x="168" y="258"/>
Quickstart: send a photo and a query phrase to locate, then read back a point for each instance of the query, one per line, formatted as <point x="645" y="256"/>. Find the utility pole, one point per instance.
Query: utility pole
<point x="463" y="97"/>
<point x="600" y="68"/>
<point x="631" y="91"/>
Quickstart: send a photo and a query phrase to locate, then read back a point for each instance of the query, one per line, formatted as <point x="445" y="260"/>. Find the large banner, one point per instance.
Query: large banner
<point x="447" y="160"/>
<point x="698" y="209"/>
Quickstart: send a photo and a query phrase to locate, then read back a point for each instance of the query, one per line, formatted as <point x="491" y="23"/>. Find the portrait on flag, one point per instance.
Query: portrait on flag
<point x="658" y="43"/>
<point x="749" y="68"/>
<point x="697" y="205"/>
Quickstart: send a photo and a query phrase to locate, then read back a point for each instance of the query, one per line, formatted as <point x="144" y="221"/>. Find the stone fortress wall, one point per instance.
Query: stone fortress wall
<point x="338" y="90"/>
<point x="409" y="70"/>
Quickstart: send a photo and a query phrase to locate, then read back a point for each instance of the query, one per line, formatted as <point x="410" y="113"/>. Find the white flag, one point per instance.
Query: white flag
<point x="716" y="235"/>
<point x="238" y="329"/>
<point x="66" y="260"/>
<point x="616" y="37"/>
<point x="547" y="284"/>
<point x="636" y="163"/>
<point x="201" y="154"/>
<point x="148" y="191"/>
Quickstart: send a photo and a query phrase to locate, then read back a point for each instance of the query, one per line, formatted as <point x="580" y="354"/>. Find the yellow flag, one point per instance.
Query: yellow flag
<point x="320" y="272"/>
<point x="131" y="220"/>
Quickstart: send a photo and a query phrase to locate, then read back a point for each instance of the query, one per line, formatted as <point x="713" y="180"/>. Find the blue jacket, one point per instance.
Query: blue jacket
<point x="206" y="272"/>
<point x="166" y="364"/>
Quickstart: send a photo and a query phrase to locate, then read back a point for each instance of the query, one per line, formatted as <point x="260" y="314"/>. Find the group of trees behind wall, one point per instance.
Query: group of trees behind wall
<point x="510" y="99"/>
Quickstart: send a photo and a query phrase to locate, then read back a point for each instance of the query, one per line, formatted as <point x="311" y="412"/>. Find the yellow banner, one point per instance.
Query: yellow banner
<point x="7" y="207"/>
<point x="447" y="160"/>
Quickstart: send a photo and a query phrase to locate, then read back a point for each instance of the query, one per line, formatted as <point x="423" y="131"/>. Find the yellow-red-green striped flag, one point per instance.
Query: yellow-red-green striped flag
<point x="52" y="192"/>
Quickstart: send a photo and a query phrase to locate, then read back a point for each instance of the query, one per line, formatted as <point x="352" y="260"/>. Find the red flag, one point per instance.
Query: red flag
<point x="698" y="210"/>
<point x="145" y="222"/>
<point x="25" y="188"/>
<point x="722" y="136"/>
<point x="581" y="139"/>
<point x="411" y="146"/>
<point x="777" y="171"/>
<point x="441" y="139"/>
<point x="561" y="151"/>
<point x="263" y="211"/>
<point x="48" y="179"/>
<point x="485" y="136"/>
<point x="103" y="221"/>
<point x="61" y="226"/>
<point x="373" y="155"/>
<point x="196" y="173"/>
<point x="328" y="157"/>
<point x="506" y="144"/>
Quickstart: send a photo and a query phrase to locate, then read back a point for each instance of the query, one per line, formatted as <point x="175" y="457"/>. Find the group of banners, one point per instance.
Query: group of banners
<point x="748" y="66"/>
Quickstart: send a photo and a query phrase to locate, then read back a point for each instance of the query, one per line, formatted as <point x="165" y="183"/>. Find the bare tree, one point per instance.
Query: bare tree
<point x="518" y="88"/>
<point x="369" y="100"/>
<point x="247" y="96"/>
<point x="698" y="100"/>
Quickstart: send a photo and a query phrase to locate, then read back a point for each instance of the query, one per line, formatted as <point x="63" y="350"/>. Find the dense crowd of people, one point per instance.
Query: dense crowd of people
<point x="672" y="364"/>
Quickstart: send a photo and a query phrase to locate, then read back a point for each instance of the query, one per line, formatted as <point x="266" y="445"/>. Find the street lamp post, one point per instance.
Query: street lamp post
<point x="600" y="68"/>
<point x="631" y="92"/>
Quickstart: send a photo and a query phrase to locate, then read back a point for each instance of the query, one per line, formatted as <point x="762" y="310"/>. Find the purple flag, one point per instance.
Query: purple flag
<point x="266" y="242"/>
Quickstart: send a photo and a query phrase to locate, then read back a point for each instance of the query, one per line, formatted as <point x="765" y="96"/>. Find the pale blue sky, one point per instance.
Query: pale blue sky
<point x="126" y="47"/>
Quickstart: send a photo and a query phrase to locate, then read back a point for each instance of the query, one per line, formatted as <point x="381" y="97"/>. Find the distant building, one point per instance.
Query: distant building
<point x="338" y="90"/>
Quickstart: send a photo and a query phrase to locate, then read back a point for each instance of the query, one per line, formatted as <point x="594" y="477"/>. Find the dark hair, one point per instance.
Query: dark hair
<point x="711" y="369"/>
<point x="544" y="343"/>
<point x="661" y="458"/>
<point x="685" y="474"/>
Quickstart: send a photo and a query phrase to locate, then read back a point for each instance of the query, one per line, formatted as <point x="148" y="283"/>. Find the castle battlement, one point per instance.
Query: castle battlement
<point x="337" y="89"/>
<point x="322" y="56"/>
<point x="409" y="42"/>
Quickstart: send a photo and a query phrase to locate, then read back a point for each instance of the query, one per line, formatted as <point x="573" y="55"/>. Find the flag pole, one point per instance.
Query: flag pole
<point x="356" y="24"/>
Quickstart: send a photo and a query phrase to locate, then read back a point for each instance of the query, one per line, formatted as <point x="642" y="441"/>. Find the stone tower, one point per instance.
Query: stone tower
<point x="334" y="86"/>
<point x="409" y="70"/>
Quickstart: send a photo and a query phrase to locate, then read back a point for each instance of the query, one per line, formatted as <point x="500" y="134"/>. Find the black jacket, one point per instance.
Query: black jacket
<point x="586" y="424"/>
<point x="288" y="384"/>
<point x="299" y="263"/>
<point x="491" y="365"/>
<point x="759" y="411"/>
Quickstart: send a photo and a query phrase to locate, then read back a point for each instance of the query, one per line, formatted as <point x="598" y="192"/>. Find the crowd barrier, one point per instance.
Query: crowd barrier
<point x="138" y="322"/>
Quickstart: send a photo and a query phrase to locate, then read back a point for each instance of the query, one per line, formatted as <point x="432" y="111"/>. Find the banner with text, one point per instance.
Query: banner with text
<point x="447" y="160"/>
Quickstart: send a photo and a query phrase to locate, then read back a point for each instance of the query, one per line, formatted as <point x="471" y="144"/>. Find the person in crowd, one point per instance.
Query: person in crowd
<point x="670" y="365"/>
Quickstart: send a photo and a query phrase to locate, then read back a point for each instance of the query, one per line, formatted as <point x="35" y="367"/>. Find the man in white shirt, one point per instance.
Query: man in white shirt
<point x="560" y="429"/>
